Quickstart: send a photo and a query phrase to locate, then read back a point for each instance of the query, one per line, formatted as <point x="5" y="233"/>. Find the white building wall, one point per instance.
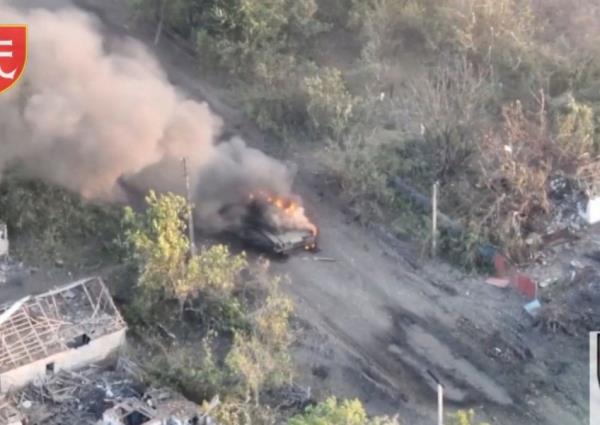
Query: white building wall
<point x="592" y="211"/>
<point x="93" y="352"/>
<point x="3" y="240"/>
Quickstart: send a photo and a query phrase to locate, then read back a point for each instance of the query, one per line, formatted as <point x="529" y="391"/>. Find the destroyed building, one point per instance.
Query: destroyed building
<point x="156" y="407"/>
<point x="100" y="395"/>
<point x="62" y="329"/>
<point x="9" y="415"/>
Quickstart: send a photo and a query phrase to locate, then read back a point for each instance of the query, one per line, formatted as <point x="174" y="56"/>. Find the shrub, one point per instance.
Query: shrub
<point x="193" y="368"/>
<point x="445" y="114"/>
<point x="232" y="412"/>
<point x="330" y="105"/>
<point x="332" y="412"/>
<point x="575" y="130"/>
<point x="429" y="133"/>
<point x="275" y="96"/>
<point x="260" y="358"/>
<point x="464" y="417"/>
<point x="515" y="167"/>
<point x="50" y="220"/>
<point x="491" y="30"/>
<point x="158" y="245"/>
<point x="362" y="167"/>
<point x="244" y="315"/>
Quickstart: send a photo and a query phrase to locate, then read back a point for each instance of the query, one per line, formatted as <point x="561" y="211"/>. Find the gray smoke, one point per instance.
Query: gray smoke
<point x="83" y="116"/>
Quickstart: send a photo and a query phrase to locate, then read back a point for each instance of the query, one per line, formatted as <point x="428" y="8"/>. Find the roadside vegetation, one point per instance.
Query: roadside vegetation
<point x="492" y="99"/>
<point x="211" y="325"/>
<point x="46" y="221"/>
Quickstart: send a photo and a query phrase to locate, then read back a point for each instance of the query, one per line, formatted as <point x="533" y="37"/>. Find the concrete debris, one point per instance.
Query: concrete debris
<point x="9" y="414"/>
<point x="100" y="396"/>
<point x="156" y="407"/>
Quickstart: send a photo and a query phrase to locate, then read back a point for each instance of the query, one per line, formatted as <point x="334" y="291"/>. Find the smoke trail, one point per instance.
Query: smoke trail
<point x="83" y="116"/>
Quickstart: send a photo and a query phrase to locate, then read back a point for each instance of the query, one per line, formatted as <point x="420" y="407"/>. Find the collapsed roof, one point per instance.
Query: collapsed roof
<point x="36" y="327"/>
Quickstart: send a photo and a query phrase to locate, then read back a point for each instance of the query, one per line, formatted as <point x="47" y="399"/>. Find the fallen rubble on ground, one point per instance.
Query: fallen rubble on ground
<point x="100" y="396"/>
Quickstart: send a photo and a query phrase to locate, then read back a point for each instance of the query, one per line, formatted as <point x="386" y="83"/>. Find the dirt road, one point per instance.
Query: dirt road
<point x="373" y="326"/>
<point x="396" y="322"/>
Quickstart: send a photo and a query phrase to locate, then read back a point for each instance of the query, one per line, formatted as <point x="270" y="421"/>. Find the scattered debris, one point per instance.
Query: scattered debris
<point x="525" y="285"/>
<point x="9" y="415"/>
<point x="533" y="307"/>
<point x="547" y="282"/>
<point x="102" y="396"/>
<point x="325" y="259"/>
<point x="155" y="407"/>
<point x="500" y="282"/>
<point x="576" y="264"/>
<point x="506" y="275"/>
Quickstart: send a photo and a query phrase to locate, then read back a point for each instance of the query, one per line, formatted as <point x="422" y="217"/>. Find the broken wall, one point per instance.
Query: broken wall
<point x="94" y="351"/>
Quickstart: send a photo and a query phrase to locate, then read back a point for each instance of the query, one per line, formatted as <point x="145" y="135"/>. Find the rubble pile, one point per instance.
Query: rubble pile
<point x="97" y="396"/>
<point x="74" y="397"/>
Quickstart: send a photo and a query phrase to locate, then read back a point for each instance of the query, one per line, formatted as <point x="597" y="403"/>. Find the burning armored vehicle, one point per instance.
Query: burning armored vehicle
<point x="277" y="225"/>
<point x="266" y="222"/>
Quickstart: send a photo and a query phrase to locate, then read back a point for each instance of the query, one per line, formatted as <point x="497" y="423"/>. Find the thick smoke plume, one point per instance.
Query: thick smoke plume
<point x="83" y="117"/>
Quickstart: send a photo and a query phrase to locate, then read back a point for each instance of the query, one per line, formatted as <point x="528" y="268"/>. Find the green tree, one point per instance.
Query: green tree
<point x="464" y="417"/>
<point x="330" y="105"/>
<point x="159" y="247"/>
<point x="332" y="412"/>
<point x="261" y="356"/>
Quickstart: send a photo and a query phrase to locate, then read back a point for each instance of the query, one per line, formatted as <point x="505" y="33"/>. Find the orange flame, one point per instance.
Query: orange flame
<point x="289" y="208"/>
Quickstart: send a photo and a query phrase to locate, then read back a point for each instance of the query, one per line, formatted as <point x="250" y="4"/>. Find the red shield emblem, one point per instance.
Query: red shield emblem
<point x="13" y="54"/>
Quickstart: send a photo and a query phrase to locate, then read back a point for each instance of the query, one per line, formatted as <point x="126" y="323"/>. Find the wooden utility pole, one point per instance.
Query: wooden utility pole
<point x="434" y="212"/>
<point x="189" y="204"/>
<point x="161" y="20"/>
